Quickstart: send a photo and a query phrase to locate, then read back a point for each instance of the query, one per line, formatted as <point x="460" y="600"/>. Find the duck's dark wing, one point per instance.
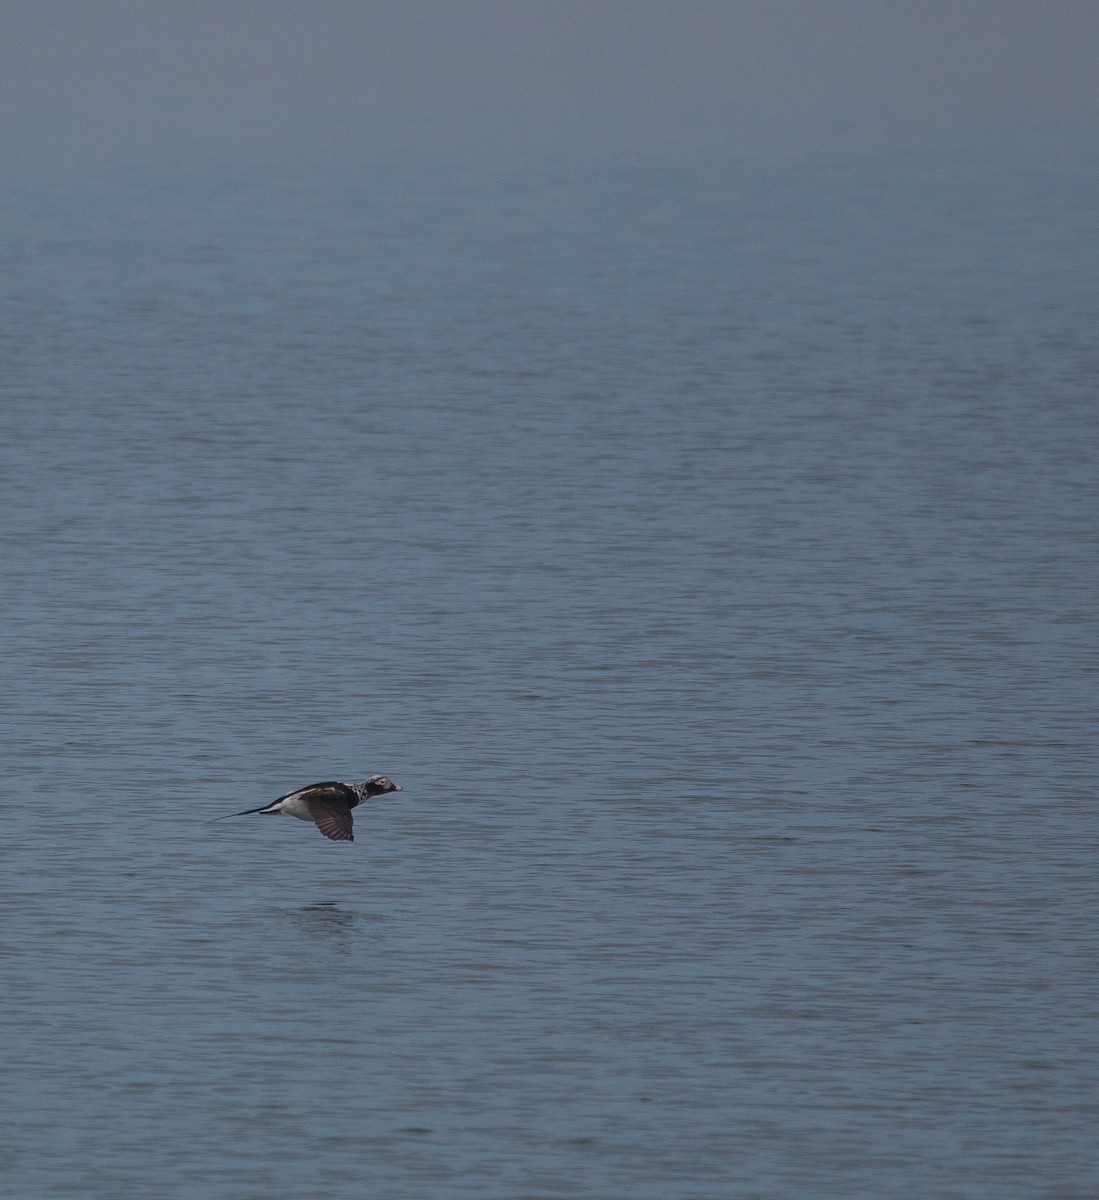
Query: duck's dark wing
<point x="332" y="814"/>
<point x="330" y="788"/>
<point x="330" y="806"/>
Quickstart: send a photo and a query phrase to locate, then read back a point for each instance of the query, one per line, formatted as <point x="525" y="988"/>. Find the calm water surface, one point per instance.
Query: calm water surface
<point x="712" y="558"/>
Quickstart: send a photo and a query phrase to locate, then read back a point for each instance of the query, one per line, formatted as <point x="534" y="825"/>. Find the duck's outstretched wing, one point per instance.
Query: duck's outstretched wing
<point x="331" y="813"/>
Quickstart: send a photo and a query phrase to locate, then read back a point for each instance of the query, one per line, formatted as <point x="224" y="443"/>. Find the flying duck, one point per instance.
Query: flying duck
<point x="327" y="805"/>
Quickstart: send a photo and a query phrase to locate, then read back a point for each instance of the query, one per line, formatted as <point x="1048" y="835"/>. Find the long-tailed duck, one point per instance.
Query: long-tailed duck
<point x="328" y="805"/>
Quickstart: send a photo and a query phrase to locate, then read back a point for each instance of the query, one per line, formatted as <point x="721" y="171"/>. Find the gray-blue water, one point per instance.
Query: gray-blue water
<point x="711" y="556"/>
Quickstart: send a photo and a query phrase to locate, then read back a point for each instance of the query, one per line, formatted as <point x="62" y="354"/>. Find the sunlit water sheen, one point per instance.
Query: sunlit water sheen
<point x="710" y="557"/>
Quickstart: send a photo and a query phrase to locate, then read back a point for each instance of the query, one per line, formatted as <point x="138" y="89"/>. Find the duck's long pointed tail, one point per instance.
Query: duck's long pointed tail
<point x="245" y="813"/>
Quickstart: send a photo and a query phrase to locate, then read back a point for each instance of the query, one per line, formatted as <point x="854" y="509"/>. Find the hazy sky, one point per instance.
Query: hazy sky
<point x="690" y="77"/>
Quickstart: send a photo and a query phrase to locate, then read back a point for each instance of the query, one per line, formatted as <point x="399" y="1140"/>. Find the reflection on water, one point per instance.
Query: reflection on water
<point x="327" y="920"/>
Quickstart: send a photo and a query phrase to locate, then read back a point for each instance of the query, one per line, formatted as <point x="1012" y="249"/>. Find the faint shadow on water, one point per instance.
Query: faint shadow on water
<point x="326" y="920"/>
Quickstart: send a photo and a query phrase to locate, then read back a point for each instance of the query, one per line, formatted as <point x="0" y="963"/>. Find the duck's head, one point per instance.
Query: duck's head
<point x="378" y="785"/>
